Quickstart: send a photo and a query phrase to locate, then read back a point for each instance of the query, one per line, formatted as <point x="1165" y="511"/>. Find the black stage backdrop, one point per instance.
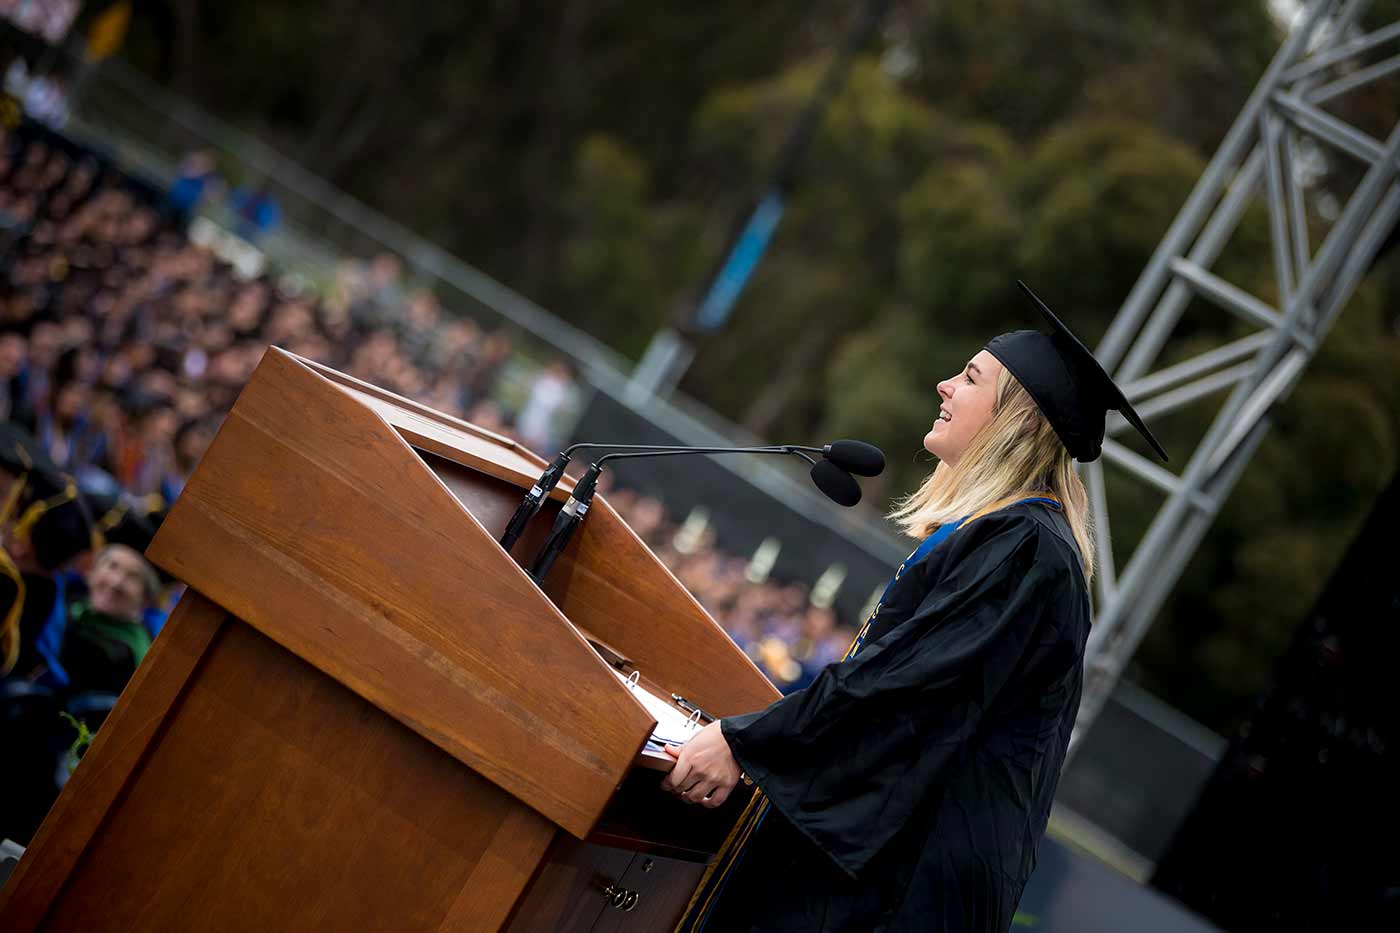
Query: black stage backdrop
<point x="1297" y="828"/>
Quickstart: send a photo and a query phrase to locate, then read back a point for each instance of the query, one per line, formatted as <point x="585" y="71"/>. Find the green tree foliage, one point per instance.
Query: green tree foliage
<point x="608" y="260"/>
<point x="1029" y="64"/>
<point x="1101" y="192"/>
<point x="599" y="156"/>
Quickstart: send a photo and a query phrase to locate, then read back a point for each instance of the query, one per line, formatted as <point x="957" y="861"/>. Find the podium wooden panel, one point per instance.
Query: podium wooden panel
<point x="365" y="715"/>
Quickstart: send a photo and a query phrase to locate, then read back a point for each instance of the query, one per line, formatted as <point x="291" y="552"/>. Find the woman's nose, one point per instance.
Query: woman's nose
<point x="945" y="388"/>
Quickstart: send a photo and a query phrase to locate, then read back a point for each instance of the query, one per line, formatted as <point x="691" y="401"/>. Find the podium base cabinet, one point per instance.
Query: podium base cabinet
<point x="584" y="887"/>
<point x="238" y="788"/>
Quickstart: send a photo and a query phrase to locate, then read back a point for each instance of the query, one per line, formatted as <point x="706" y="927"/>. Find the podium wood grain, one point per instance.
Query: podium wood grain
<point x="107" y="767"/>
<point x="367" y="566"/>
<point x="607" y="582"/>
<point x="269" y="772"/>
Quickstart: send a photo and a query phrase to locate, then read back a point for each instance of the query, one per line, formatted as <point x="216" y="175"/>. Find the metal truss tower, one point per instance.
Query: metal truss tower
<point x="1324" y="57"/>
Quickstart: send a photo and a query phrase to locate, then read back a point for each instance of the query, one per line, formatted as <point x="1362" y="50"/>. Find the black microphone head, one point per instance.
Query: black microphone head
<point x="856" y="457"/>
<point x="839" y="486"/>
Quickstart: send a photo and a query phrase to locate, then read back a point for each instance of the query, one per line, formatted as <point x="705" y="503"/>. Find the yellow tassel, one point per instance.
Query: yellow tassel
<point x="714" y="877"/>
<point x="9" y="629"/>
<point x="12" y="498"/>
<point x="36" y="510"/>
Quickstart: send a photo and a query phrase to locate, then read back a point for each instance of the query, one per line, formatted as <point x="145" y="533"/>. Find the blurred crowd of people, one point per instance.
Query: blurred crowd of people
<point x="254" y="210"/>
<point x="776" y="623"/>
<point x="122" y="343"/>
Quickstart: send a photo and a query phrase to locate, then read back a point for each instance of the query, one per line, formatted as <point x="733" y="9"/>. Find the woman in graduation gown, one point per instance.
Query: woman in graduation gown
<point x="908" y="786"/>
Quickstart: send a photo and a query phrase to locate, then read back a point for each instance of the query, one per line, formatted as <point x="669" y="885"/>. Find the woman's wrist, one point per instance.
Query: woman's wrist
<point x="725" y="725"/>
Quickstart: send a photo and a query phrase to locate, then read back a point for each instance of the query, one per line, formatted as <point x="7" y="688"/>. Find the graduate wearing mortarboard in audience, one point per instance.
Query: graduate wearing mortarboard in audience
<point x="44" y="524"/>
<point x="908" y="786"/>
<point x="133" y="521"/>
<point x="71" y="641"/>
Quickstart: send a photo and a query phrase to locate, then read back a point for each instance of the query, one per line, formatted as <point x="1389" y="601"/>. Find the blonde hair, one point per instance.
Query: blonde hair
<point x="1015" y="455"/>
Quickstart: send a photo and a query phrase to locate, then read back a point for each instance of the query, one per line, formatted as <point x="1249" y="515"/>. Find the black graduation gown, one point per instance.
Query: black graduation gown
<point x="911" y="784"/>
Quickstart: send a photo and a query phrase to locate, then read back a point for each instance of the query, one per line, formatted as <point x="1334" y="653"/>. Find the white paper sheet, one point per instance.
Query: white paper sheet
<point x="673" y="726"/>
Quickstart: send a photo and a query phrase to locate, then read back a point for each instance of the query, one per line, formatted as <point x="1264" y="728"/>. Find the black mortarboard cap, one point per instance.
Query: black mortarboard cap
<point x="62" y="529"/>
<point x="1073" y="391"/>
<point x="46" y="507"/>
<point x="132" y="520"/>
<point x="121" y="518"/>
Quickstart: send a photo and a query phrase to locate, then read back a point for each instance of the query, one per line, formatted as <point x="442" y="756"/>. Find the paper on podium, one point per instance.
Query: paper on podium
<point x="673" y="726"/>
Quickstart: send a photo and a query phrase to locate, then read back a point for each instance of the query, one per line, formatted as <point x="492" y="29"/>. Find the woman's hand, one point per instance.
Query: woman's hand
<point x="705" y="770"/>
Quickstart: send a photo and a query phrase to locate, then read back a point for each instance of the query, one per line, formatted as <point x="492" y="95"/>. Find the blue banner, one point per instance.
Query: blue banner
<point x="739" y="265"/>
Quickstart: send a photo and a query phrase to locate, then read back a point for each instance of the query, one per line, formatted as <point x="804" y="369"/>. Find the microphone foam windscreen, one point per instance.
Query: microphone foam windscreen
<point x="857" y="457"/>
<point x="839" y="486"/>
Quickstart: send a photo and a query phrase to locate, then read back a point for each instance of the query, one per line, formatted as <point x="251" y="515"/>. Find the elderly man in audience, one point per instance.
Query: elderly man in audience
<point x="106" y="636"/>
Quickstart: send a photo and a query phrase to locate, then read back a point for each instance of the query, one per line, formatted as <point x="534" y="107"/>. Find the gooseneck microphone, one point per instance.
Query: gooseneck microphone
<point x="534" y="499"/>
<point x="566" y="523"/>
<point x="840" y="487"/>
<point x="831" y="474"/>
<point x="856" y="457"/>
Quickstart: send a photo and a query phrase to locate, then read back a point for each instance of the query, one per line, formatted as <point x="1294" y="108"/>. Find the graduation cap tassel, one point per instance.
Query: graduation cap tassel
<point x="12" y="499"/>
<point x="9" y="629"/>
<point x="31" y="515"/>
<point x="113" y="516"/>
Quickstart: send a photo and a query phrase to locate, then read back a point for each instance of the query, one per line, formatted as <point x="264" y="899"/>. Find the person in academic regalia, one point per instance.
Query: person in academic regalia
<point x="908" y="786"/>
<point x="45" y="524"/>
<point x="45" y="527"/>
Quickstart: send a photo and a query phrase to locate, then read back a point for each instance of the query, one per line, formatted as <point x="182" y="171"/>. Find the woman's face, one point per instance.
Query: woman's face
<point x="966" y="403"/>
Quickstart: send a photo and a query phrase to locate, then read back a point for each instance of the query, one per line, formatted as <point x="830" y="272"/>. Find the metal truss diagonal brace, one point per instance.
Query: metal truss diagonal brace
<point x="1259" y="156"/>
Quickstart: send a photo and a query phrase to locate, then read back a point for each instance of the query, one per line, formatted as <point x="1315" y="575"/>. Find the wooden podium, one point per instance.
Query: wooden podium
<point x="364" y="715"/>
